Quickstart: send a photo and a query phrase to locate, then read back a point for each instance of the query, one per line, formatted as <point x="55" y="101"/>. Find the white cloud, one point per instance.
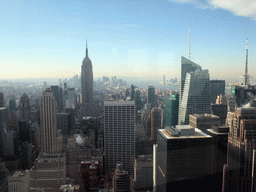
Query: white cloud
<point x="246" y="8"/>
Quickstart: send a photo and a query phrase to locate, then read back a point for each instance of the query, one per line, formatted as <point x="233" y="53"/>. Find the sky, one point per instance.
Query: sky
<point x="47" y="38"/>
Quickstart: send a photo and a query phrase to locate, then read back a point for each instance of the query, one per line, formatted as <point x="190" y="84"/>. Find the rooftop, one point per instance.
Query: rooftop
<point x="204" y="116"/>
<point x="183" y="132"/>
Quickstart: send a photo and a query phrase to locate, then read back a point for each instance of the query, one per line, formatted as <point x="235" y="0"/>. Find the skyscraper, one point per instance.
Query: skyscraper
<point x="87" y="81"/>
<point x="194" y="92"/>
<point x="50" y="144"/>
<point x="237" y="173"/>
<point x="119" y="136"/>
<point x="1" y="99"/>
<point x="57" y="92"/>
<point x="172" y="110"/>
<point x="151" y="96"/>
<point x="24" y="108"/>
<point x="183" y="159"/>
<point x="155" y="123"/>
<point x="217" y="87"/>
<point x="3" y="126"/>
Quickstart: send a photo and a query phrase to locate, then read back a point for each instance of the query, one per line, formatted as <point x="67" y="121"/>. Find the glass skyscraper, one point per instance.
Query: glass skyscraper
<point x="194" y="92"/>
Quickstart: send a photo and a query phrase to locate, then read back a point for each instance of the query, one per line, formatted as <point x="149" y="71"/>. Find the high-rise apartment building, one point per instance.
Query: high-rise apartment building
<point x="50" y="137"/>
<point x="119" y="136"/>
<point x="1" y="99"/>
<point x="151" y="96"/>
<point x="194" y="92"/>
<point x="237" y="173"/>
<point x="87" y="81"/>
<point x="24" y="108"/>
<point x="217" y="87"/>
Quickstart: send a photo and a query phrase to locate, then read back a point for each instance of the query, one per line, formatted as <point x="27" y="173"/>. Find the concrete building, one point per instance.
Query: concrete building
<point x="237" y="173"/>
<point x="50" y="137"/>
<point x="194" y="91"/>
<point x="219" y="154"/>
<point x="19" y="181"/>
<point x="220" y="108"/>
<point x="48" y="173"/>
<point x="121" y="180"/>
<point x="24" y="108"/>
<point x="119" y="134"/>
<point x="203" y="121"/>
<point x="143" y="172"/>
<point x="172" y="110"/>
<point x="87" y="83"/>
<point x="155" y="123"/>
<point x="184" y="159"/>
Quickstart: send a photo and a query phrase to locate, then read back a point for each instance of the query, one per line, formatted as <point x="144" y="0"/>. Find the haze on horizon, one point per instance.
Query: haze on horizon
<point x="46" y="39"/>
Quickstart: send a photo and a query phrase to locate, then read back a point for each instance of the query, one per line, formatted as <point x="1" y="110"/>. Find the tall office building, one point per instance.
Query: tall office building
<point x="12" y="104"/>
<point x="64" y="124"/>
<point x="121" y="180"/>
<point x="194" y="92"/>
<point x="119" y="136"/>
<point x="151" y="96"/>
<point x="217" y="87"/>
<point x="87" y="81"/>
<point x="172" y="110"/>
<point x="57" y="92"/>
<point x="48" y="122"/>
<point x="155" y="123"/>
<point x="183" y="159"/>
<point x="24" y="108"/>
<point x="70" y="102"/>
<point x="1" y="99"/>
<point x="237" y="173"/>
<point x="3" y="126"/>
<point x="164" y="79"/>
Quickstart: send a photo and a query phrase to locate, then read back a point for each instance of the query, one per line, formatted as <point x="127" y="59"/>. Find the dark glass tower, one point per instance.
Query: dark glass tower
<point x="87" y="81"/>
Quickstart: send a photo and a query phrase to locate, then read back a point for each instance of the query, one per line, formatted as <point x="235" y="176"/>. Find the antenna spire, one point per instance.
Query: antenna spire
<point x="246" y="64"/>
<point x="86" y="50"/>
<point x="189" y="53"/>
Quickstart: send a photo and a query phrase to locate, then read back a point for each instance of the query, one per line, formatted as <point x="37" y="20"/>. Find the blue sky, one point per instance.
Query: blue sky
<point x="47" y="39"/>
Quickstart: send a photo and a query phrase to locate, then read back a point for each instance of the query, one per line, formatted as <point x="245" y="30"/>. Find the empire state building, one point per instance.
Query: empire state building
<point x="87" y="83"/>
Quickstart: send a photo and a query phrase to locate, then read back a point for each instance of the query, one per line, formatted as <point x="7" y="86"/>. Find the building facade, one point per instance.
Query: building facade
<point x="195" y="95"/>
<point x="172" y="110"/>
<point x="237" y="173"/>
<point x="217" y="87"/>
<point x="119" y="136"/>
<point x="24" y="108"/>
<point x="151" y="96"/>
<point x="19" y="181"/>
<point x="50" y="143"/>
<point x="87" y="81"/>
<point x="183" y="159"/>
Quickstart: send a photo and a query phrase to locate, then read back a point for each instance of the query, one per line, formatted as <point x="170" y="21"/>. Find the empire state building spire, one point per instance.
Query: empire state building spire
<point x="86" y="50"/>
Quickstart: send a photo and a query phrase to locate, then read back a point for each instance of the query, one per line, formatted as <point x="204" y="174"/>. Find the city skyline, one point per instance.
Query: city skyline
<point x="127" y="38"/>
